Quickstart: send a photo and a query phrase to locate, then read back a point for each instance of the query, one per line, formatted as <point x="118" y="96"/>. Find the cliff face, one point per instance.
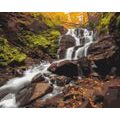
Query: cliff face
<point x="106" y="51"/>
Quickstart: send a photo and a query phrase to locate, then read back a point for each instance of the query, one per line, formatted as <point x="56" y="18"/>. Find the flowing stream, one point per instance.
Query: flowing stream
<point x="13" y="86"/>
<point x="81" y="36"/>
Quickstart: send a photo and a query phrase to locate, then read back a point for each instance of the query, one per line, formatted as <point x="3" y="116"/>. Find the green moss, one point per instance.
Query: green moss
<point x="36" y="40"/>
<point x="46" y="39"/>
<point x="9" y="54"/>
<point x="104" y="22"/>
<point x="52" y="36"/>
<point x="48" y="22"/>
<point x="54" y="33"/>
<point x="29" y="38"/>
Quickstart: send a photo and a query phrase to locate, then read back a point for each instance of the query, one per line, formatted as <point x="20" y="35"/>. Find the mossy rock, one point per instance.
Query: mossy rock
<point x="46" y="39"/>
<point x="9" y="53"/>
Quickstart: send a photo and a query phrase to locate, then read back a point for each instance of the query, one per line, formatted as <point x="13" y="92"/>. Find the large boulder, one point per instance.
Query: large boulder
<point x="29" y="94"/>
<point x="84" y="66"/>
<point x="79" y="32"/>
<point x="66" y="67"/>
<point x="24" y="95"/>
<point x="40" y="90"/>
<point x="105" y="54"/>
<point x="66" y="41"/>
<point x="38" y="78"/>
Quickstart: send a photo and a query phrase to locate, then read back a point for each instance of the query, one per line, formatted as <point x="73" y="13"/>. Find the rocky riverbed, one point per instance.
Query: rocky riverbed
<point x="85" y="75"/>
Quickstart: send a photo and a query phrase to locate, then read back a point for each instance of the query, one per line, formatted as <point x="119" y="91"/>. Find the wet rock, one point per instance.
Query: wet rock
<point x="70" y="99"/>
<point x="84" y="67"/>
<point x="65" y="42"/>
<point x="66" y="68"/>
<point x="52" y="102"/>
<point x="79" y="32"/>
<point x="40" y="90"/>
<point x="60" y="80"/>
<point x="38" y="78"/>
<point x="82" y="41"/>
<point x="27" y="96"/>
<point x="24" y="95"/>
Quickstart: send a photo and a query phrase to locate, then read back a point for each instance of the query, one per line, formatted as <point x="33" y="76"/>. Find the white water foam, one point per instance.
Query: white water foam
<point x="82" y="50"/>
<point x="16" y="84"/>
<point x="69" y="53"/>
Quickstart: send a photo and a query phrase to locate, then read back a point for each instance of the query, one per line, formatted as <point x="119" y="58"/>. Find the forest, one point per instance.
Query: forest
<point x="59" y="59"/>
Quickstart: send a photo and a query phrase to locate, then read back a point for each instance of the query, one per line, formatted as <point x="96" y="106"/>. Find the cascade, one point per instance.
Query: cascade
<point x="72" y="33"/>
<point x="81" y="36"/>
<point x="13" y="86"/>
<point x="16" y="84"/>
<point x="69" y="53"/>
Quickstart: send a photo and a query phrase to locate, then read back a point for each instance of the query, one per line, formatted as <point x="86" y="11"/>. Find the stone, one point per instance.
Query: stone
<point x="66" y="68"/>
<point x="65" y="42"/>
<point x="84" y="65"/>
<point x="105" y="54"/>
<point x="24" y="95"/>
<point x="38" y="78"/>
<point x="40" y="90"/>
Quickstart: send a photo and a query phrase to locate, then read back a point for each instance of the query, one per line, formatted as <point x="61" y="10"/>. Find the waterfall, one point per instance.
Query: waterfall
<point x="9" y="101"/>
<point x="72" y="33"/>
<point x="16" y="84"/>
<point x="81" y="36"/>
<point x="79" y="53"/>
<point x="13" y="86"/>
<point x="88" y="44"/>
<point x="69" y="53"/>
